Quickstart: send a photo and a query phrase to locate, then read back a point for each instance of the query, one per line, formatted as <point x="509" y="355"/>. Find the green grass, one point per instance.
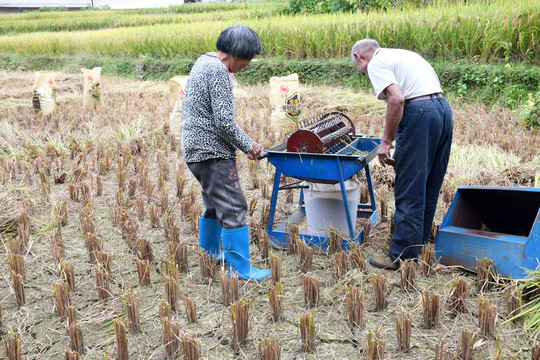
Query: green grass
<point x="530" y="311"/>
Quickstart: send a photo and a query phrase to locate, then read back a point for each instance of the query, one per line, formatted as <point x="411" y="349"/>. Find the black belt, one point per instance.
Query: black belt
<point x="424" y="97"/>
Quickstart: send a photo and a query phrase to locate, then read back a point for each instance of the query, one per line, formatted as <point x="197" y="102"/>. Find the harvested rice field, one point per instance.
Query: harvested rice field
<point x="99" y="227"/>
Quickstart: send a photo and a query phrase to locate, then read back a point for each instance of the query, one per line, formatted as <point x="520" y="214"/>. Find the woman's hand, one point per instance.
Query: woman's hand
<point x="255" y="151"/>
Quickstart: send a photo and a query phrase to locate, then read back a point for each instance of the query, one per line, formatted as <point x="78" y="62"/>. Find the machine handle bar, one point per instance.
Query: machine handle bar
<point x="263" y="155"/>
<point x="361" y="159"/>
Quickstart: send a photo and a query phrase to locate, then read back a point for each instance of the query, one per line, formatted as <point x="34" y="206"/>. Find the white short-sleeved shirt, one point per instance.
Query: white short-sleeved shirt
<point x="411" y="72"/>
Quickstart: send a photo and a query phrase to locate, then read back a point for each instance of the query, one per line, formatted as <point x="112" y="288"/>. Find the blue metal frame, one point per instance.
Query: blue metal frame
<point x="500" y="223"/>
<point x="336" y="168"/>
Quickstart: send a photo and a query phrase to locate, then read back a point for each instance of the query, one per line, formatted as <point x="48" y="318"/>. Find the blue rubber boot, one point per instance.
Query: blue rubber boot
<point x="209" y="236"/>
<point x="236" y="248"/>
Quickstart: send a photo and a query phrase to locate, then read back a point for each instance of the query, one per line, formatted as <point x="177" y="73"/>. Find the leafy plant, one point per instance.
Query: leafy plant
<point x="531" y="112"/>
<point x="334" y="6"/>
<point x="530" y="311"/>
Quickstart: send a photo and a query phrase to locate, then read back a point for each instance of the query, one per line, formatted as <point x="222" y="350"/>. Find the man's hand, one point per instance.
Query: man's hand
<point x="255" y="151"/>
<point x="384" y="154"/>
<point x="394" y="112"/>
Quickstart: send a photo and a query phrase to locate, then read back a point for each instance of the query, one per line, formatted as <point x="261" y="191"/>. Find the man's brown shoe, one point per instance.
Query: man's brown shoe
<point x="383" y="261"/>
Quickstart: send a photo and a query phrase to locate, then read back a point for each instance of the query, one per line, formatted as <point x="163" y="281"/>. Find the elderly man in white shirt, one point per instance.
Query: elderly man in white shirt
<point x="419" y="119"/>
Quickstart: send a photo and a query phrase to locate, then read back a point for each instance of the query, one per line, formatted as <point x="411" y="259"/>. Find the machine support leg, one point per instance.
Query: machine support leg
<point x="374" y="218"/>
<point x="273" y="202"/>
<point x="347" y="210"/>
<point x="370" y="188"/>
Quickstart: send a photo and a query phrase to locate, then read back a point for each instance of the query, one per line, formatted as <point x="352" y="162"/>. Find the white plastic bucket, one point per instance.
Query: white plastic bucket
<point x="325" y="208"/>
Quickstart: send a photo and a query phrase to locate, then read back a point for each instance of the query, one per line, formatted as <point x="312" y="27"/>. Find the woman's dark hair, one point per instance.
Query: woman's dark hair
<point x="240" y="41"/>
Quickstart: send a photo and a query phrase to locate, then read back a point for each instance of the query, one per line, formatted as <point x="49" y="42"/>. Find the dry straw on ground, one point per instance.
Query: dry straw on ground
<point x="335" y="241"/>
<point x="379" y="288"/>
<point x="484" y="268"/>
<point x="408" y="274"/>
<point x="292" y="238"/>
<point x="427" y="258"/>
<point x="357" y="259"/>
<point x="312" y="290"/>
<point x="13" y="346"/>
<point x="403" y="327"/>
<point x="208" y="266"/>
<point x="78" y="152"/>
<point x="171" y="339"/>
<point x="458" y="294"/>
<point x="191" y="309"/>
<point x="76" y="342"/>
<point x="143" y="269"/>
<point x="354" y="299"/>
<point x="340" y="262"/>
<point x="513" y="299"/>
<point x="121" y="340"/>
<point x="132" y="308"/>
<point x="430" y="308"/>
<point x="443" y="353"/>
<point x="191" y="348"/>
<point x="265" y="247"/>
<point x="72" y="355"/>
<point x="307" y="332"/>
<point x="62" y="298"/>
<point x="229" y="287"/>
<point x="306" y="256"/>
<point x="240" y="326"/>
<point x="466" y="344"/>
<point x="275" y="267"/>
<point x="275" y="300"/>
<point x="269" y="349"/>
<point x="375" y="345"/>
<point x="487" y="316"/>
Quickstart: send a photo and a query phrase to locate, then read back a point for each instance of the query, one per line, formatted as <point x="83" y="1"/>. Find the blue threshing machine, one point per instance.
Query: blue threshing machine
<point x="324" y="149"/>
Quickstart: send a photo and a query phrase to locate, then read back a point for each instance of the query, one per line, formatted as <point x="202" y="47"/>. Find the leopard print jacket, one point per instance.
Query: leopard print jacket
<point x="209" y="129"/>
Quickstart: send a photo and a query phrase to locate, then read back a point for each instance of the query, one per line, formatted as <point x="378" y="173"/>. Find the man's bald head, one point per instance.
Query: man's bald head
<point x="362" y="52"/>
<point x="364" y="46"/>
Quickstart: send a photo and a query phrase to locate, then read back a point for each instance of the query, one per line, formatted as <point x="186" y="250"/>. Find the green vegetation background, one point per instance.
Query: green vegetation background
<point x="483" y="51"/>
<point x="505" y="83"/>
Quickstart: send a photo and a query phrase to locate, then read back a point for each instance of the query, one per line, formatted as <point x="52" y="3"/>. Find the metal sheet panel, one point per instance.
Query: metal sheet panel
<point x="499" y="223"/>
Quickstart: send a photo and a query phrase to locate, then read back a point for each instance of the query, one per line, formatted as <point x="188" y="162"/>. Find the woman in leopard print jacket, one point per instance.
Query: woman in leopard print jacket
<point x="210" y="138"/>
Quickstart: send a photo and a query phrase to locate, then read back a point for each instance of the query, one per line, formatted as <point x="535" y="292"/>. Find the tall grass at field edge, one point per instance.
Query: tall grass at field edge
<point x="498" y="30"/>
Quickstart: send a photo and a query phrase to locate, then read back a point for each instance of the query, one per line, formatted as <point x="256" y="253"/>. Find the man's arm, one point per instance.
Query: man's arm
<point x="394" y="112"/>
